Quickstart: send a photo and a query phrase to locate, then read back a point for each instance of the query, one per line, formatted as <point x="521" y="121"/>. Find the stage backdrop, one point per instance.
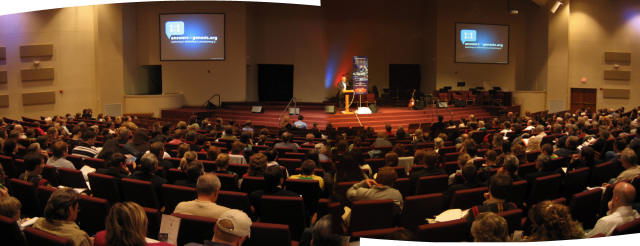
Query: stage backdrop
<point x="360" y="75"/>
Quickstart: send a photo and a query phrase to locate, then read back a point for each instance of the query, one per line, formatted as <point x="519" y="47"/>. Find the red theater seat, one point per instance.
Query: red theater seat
<point x="584" y="207"/>
<point x="467" y="198"/>
<point x="10" y="232"/>
<point x="418" y="208"/>
<point x="272" y="208"/>
<point x="141" y="192"/>
<point x="174" y="194"/>
<point x="371" y="214"/>
<point x="545" y="188"/>
<point x="105" y="186"/>
<point x="432" y="184"/>
<point x="39" y="237"/>
<point x="250" y="184"/>
<point x="627" y="228"/>
<point x="26" y="193"/>
<point x="194" y="228"/>
<point x="233" y="199"/>
<point x="450" y="231"/>
<point x="71" y="178"/>
<point x="93" y="212"/>
<point x="274" y="234"/>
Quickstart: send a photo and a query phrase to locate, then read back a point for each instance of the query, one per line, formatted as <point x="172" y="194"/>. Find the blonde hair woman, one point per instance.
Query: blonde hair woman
<point x="188" y="157"/>
<point x="126" y="225"/>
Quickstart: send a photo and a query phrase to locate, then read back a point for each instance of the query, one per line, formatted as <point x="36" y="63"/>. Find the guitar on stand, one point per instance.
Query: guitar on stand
<point x="412" y="101"/>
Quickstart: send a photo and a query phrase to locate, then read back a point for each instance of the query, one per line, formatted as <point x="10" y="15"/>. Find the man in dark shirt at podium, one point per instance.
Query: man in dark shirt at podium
<point x="342" y="85"/>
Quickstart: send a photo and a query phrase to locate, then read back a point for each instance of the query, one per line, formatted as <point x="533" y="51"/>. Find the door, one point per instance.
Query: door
<point x="403" y="78"/>
<point x="275" y="82"/>
<point x="583" y="98"/>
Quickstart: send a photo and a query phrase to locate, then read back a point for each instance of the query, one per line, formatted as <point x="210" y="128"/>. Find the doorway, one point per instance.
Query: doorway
<point x="583" y="98"/>
<point x="275" y="82"/>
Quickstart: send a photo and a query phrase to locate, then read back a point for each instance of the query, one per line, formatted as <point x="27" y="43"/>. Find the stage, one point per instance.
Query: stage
<point x="315" y="113"/>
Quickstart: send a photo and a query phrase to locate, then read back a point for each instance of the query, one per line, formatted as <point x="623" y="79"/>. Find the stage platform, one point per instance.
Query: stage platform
<point x="314" y="113"/>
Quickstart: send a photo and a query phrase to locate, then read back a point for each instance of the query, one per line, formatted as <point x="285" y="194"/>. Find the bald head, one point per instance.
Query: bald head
<point x="208" y="184"/>
<point x="625" y="193"/>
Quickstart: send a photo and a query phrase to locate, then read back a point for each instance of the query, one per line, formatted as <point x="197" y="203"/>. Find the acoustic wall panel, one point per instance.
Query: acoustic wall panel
<point x="617" y="75"/>
<point x="3" y="53"/>
<point x="37" y="74"/>
<point x="622" y="58"/>
<point x="616" y="93"/>
<point x="38" y="98"/>
<point x="43" y="50"/>
<point x="4" y="101"/>
<point x="3" y="77"/>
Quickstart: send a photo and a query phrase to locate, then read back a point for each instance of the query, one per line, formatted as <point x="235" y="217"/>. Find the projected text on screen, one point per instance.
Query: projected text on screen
<point x="479" y="43"/>
<point x="192" y="37"/>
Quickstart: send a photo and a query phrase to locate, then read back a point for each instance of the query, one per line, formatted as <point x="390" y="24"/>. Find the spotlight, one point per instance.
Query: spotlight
<point x="556" y="6"/>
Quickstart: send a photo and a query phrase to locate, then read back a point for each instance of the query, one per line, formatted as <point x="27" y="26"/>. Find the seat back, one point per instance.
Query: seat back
<point x="93" y="212"/>
<point x="50" y="173"/>
<point x="290" y="164"/>
<point x="362" y="215"/>
<point x="78" y="161"/>
<point x="194" y="228"/>
<point x="545" y="188"/>
<point x="26" y="193"/>
<point x="275" y="234"/>
<point x="513" y="218"/>
<point x="432" y="184"/>
<point x="467" y="198"/>
<point x="419" y="207"/>
<point x="250" y="184"/>
<point x="95" y="162"/>
<point x="240" y="169"/>
<point x="10" y="232"/>
<point x="377" y="233"/>
<point x="272" y="208"/>
<point x="174" y="194"/>
<point x="450" y="231"/>
<point x="174" y="174"/>
<point x="105" y="186"/>
<point x="518" y="192"/>
<point x="229" y="181"/>
<point x="310" y="191"/>
<point x="8" y="166"/>
<point x="44" y="193"/>
<point x="603" y="172"/>
<point x="233" y="199"/>
<point x="627" y="228"/>
<point x="154" y="218"/>
<point x="404" y="186"/>
<point x="585" y="206"/>
<point x="71" y="178"/>
<point x="141" y="192"/>
<point x="526" y="168"/>
<point x="575" y="181"/>
<point x="38" y="237"/>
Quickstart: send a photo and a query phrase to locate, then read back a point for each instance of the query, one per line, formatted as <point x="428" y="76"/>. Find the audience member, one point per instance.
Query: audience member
<point x="33" y="165"/>
<point x="629" y="162"/>
<point x="86" y="148"/>
<point x="10" y="207"/>
<point x="126" y="224"/>
<point x="379" y="189"/>
<point x="308" y="167"/>
<point x="490" y="227"/>
<point x="620" y="210"/>
<point x="207" y="188"/>
<point x="231" y="229"/>
<point x="273" y="186"/>
<point x="496" y="198"/>
<point x="58" y="159"/>
<point x="60" y="216"/>
<point x="552" y="221"/>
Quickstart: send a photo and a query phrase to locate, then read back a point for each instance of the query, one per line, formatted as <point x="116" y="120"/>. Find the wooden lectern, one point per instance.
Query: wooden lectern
<point x="347" y="103"/>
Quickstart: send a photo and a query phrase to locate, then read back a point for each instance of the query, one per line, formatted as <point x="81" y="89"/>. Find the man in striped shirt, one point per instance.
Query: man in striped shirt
<point x="86" y="147"/>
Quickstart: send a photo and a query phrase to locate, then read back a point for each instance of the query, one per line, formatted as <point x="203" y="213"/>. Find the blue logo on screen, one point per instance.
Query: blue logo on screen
<point x="468" y="35"/>
<point x="174" y="28"/>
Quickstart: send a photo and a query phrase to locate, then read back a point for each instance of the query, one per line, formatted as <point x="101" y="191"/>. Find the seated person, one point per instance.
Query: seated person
<point x="194" y="170"/>
<point x="463" y="158"/>
<point x="308" y="167"/>
<point x="273" y="181"/>
<point x="379" y="189"/>
<point x="86" y="148"/>
<point x="204" y="205"/>
<point x="300" y="124"/>
<point x="232" y="228"/>
<point x="10" y="207"/>
<point x="116" y="167"/>
<point x="620" y="210"/>
<point x="126" y="224"/>
<point x="569" y="148"/>
<point x="431" y="168"/>
<point x="629" y="161"/>
<point x="58" y="159"/>
<point x="222" y="164"/>
<point x="490" y="227"/>
<point x="553" y="221"/>
<point x="33" y="164"/>
<point x="470" y="177"/>
<point x="157" y="148"/>
<point x="510" y="167"/>
<point x="543" y="168"/>
<point x="287" y="143"/>
<point x="257" y="165"/>
<point x="236" y="156"/>
<point x="496" y="198"/>
<point x="60" y="216"/>
<point x="147" y="171"/>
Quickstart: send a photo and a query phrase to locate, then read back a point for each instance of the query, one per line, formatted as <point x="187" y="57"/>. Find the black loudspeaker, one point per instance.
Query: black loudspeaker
<point x="374" y="108"/>
<point x="461" y="84"/>
<point x="256" y="109"/>
<point x="293" y="111"/>
<point x="330" y="109"/>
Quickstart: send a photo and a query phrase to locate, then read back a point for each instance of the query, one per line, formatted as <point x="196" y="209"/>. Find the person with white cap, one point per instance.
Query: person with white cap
<point x="232" y="229"/>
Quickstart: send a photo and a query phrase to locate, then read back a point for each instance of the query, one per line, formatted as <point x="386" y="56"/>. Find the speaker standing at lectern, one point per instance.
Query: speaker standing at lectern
<point x="342" y="85"/>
